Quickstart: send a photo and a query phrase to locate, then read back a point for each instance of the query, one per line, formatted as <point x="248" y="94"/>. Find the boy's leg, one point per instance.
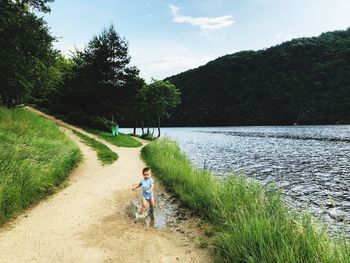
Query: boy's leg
<point x="144" y="204"/>
<point x="151" y="202"/>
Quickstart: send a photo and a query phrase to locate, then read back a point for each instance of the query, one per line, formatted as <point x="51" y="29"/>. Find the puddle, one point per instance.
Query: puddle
<point x="167" y="212"/>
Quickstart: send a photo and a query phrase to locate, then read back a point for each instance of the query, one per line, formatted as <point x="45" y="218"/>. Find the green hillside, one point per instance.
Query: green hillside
<point x="303" y="81"/>
<point x="35" y="156"/>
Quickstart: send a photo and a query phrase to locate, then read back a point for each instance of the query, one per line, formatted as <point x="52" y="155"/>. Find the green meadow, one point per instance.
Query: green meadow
<point x="122" y="140"/>
<point x="35" y="157"/>
<point x="104" y="154"/>
<point x="251" y="223"/>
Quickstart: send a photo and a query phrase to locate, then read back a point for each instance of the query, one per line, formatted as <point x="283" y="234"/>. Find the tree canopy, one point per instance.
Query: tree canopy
<point x="26" y="51"/>
<point x="101" y="82"/>
<point x="158" y="99"/>
<point x="40" y="5"/>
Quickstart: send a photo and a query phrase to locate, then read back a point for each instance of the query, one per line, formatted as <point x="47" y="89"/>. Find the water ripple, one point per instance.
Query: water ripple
<point x="310" y="163"/>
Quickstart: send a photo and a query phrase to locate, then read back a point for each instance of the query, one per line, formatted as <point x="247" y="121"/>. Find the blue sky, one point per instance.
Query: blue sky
<point x="167" y="37"/>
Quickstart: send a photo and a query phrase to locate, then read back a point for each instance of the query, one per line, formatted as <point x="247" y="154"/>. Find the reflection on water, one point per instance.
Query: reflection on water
<point x="310" y="163"/>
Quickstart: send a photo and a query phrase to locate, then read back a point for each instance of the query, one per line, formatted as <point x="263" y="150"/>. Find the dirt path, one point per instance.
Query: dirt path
<point x="84" y="222"/>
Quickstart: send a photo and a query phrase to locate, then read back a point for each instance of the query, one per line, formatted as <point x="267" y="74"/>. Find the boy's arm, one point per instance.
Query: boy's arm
<point x="151" y="189"/>
<point x="135" y="187"/>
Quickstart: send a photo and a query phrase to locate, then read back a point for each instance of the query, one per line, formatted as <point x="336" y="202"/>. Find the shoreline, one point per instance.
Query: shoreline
<point x="250" y="221"/>
<point x="313" y="174"/>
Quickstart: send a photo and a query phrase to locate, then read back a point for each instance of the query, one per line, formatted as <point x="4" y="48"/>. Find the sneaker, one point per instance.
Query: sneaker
<point x="143" y="215"/>
<point x="140" y="216"/>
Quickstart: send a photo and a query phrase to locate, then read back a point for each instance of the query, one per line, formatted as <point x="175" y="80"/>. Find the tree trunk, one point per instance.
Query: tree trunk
<point x="112" y="119"/>
<point x="148" y="125"/>
<point x="135" y="127"/>
<point x="143" y="127"/>
<point x="158" y="126"/>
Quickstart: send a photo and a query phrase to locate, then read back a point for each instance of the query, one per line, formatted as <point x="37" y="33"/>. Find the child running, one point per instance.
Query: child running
<point x="147" y="185"/>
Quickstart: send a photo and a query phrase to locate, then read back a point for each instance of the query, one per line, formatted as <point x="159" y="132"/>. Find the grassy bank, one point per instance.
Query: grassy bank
<point x="251" y="223"/>
<point x="34" y="158"/>
<point x="145" y="137"/>
<point x="104" y="154"/>
<point x="122" y="140"/>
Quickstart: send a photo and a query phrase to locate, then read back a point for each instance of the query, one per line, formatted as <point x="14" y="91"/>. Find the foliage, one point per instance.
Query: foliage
<point x="160" y="97"/>
<point x="101" y="82"/>
<point x="34" y="158"/>
<point x="104" y="154"/>
<point x="49" y="81"/>
<point x="303" y="81"/>
<point x="26" y="53"/>
<point x="157" y="100"/>
<point x="251" y="223"/>
<point x="40" y="5"/>
<point x="96" y="87"/>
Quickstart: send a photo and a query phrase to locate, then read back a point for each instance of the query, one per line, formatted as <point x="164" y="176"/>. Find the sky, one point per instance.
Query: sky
<point x="167" y="37"/>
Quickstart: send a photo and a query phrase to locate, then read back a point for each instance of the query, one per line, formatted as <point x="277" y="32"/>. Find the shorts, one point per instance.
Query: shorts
<point x="147" y="196"/>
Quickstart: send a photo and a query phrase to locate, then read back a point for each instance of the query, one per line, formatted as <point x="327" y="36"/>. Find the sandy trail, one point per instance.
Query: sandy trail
<point x="84" y="222"/>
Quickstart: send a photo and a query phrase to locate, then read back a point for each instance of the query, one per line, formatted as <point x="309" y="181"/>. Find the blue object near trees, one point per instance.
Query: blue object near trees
<point x="115" y="128"/>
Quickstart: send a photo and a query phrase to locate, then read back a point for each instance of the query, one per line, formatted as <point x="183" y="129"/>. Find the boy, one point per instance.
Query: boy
<point x="147" y="184"/>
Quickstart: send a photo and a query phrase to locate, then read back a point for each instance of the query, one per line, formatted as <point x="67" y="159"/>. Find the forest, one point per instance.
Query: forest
<point x="94" y="87"/>
<point x="302" y="81"/>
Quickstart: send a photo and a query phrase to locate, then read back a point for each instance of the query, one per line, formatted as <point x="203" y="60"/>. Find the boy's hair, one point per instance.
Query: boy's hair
<point x="146" y="169"/>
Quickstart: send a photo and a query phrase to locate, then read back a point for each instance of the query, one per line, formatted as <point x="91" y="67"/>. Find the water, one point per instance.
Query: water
<point x="310" y="163"/>
<point x="168" y="211"/>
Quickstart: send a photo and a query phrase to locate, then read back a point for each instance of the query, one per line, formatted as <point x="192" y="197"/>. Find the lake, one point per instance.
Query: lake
<point x="310" y="163"/>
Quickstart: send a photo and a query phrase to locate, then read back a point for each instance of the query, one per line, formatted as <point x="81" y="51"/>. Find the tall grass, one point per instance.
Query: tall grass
<point x="251" y="222"/>
<point x="104" y="154"/>
<point x="122" y="140"/>
<point x="34" y="158"/>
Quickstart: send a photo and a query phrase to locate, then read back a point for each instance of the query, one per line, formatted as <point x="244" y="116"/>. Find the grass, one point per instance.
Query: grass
<point x="251" y="223"/>
<point x="104" y="154"/>
<point x="35" y="157"/>
<point x="148" y="137"/>
<point x="122" y="140"/>
<point x="202" y="242"/>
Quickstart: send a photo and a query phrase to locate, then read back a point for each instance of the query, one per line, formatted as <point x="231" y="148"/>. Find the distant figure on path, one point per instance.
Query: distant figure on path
<point x="115" y="128"/>
<point x="147" y="185"/>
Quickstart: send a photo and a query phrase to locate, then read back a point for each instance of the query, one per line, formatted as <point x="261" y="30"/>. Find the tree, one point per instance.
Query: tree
<point x="25" y="51"/>
<point x="132" y="103"/>
<point x="102" y="82"/>
<point x="161" y="97"/>
<point x="40" y="5"/>
<point x="106" y="59"/>
<point x="103" y="74"/>
<point x="48" y="81"/>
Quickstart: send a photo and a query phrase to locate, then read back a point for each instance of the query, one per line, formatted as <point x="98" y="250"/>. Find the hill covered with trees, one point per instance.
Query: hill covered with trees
<point x="303" y="81"/>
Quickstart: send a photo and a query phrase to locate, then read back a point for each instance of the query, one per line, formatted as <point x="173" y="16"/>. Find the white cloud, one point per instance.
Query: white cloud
<point x="204" y="23"/>
<point x="173" y="59"/>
